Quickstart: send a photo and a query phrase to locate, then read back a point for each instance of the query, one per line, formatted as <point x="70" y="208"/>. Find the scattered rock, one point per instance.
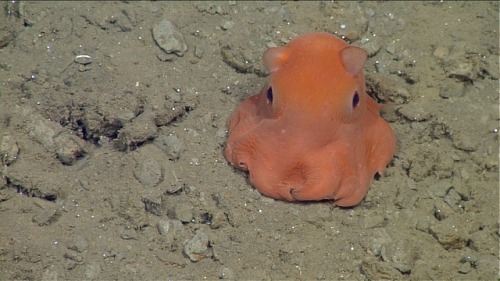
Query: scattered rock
<point x="92" y="270"/>
<point x="462" y="141"/>
<point x="149" y="172"/>
<point x="449" y="234"/>
<point x="9" y="150"/>
<point x="227" y="25"/>
<point x="219" y="219"/>
<point x="135" y="133"/>
<point x="198" y="247"/>
<point x="465" y="268"/>
<point x="442" y="210"/>
<point x="225" y="273"/>
<point x="453" y="199"/>
<point x="68" y="147"/>
<point x="441" y="52"/>
<point x="453" y="90"/>
<point x="171" y="145"/>
<point x="46" y="214"/>
<point x="171" y="230"/>
<point x="182" y="212"/>
<point x="373" y="221"/>
<point x="386" y="88"/>
<point x="463" y="70"/>
<point x="78" y="244"/>
<point x="169" y="38"/>
<point x="439" y="188"/>
<point x="414" y="112"/>
<point x="377" y="270"/>
<point x="242" y="59"/>
<point x="482" y="241"/>
<point x="400" y="254"/>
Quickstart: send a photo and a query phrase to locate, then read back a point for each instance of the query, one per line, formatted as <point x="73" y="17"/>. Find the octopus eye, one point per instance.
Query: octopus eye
<point x="355" y="99"/>
<point x="269" y="94"/>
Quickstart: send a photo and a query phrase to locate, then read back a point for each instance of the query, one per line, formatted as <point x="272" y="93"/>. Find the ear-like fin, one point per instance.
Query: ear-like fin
<point x="353" y="59"/>
<point x="274" y="58"/>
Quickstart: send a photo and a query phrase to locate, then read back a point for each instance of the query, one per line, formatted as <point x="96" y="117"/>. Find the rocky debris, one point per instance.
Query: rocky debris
<point x="171" y="230"/>
<point x="137" y="132"/>
<point x="149" y="172"/>
<point x="67" y="147"/>
<point x="243" y="59"/>
<point x="387" y="89"/>
<point x="9" y="150"/>
<point x="46" y="213"/>
<point x="401" y="254"/>
<point x="484" y="241"/>
<point x="394" y="251"/>
<point x="449" y="233"/>
<point x="78" y="244"/>
<point x="415" y="112"/>
<point x="171" y="145"/>
<point x="377" y="270"/>
<point x="197" y="248"/>
<point x="169" y="38"/>
<point x="225" y="273"/>
<point x="463" y="141"/>
<point x="182" y="212"/>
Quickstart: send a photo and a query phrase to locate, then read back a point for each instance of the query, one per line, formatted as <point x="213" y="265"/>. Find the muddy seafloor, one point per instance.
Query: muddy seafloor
<point x="112" y="165"/>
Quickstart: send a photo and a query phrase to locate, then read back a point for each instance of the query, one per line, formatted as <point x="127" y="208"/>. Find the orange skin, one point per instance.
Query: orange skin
<point x="312" y="132"/>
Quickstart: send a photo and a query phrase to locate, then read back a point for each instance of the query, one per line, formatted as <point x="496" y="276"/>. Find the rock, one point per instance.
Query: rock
<point x="219" y="219"/>
<point x="441" y="52"/>
<point x="92" y="270"/>
<point x="225" y="273"/>
<point x="462" y="141"/>
<point x="197" y="248"/>
<point x="400" y="254"/>
<point x="377" y="270"/>
<point x="170" y="229"/>
<point x="449" y="233"/>
<point x="149" y="172"/>
<point x="53" y="137"/>
<point x="140" y="130"/>
<point x="169" y="38"/>
<point x="227" y="25"/>
<point x="171" y="145"/>
<point x="442" y="210"/>
<point x="373" y="221"/>
<point x="439" y="189"/>
<point x="68" y="150"/>
<point x="453" y="199"/>
<point x="182" y="212"/>
<point x="414" y="112"/>
<point x="163" y="226"/>
<point x="78" y="244"/>
<point x="386" y="88"/>
<point x="454" y="90"/>
<point x="483" y="242"/>
<point x="463" y="70"/>
<point x="9" y="150"/>
<point x="46" y="214"/>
